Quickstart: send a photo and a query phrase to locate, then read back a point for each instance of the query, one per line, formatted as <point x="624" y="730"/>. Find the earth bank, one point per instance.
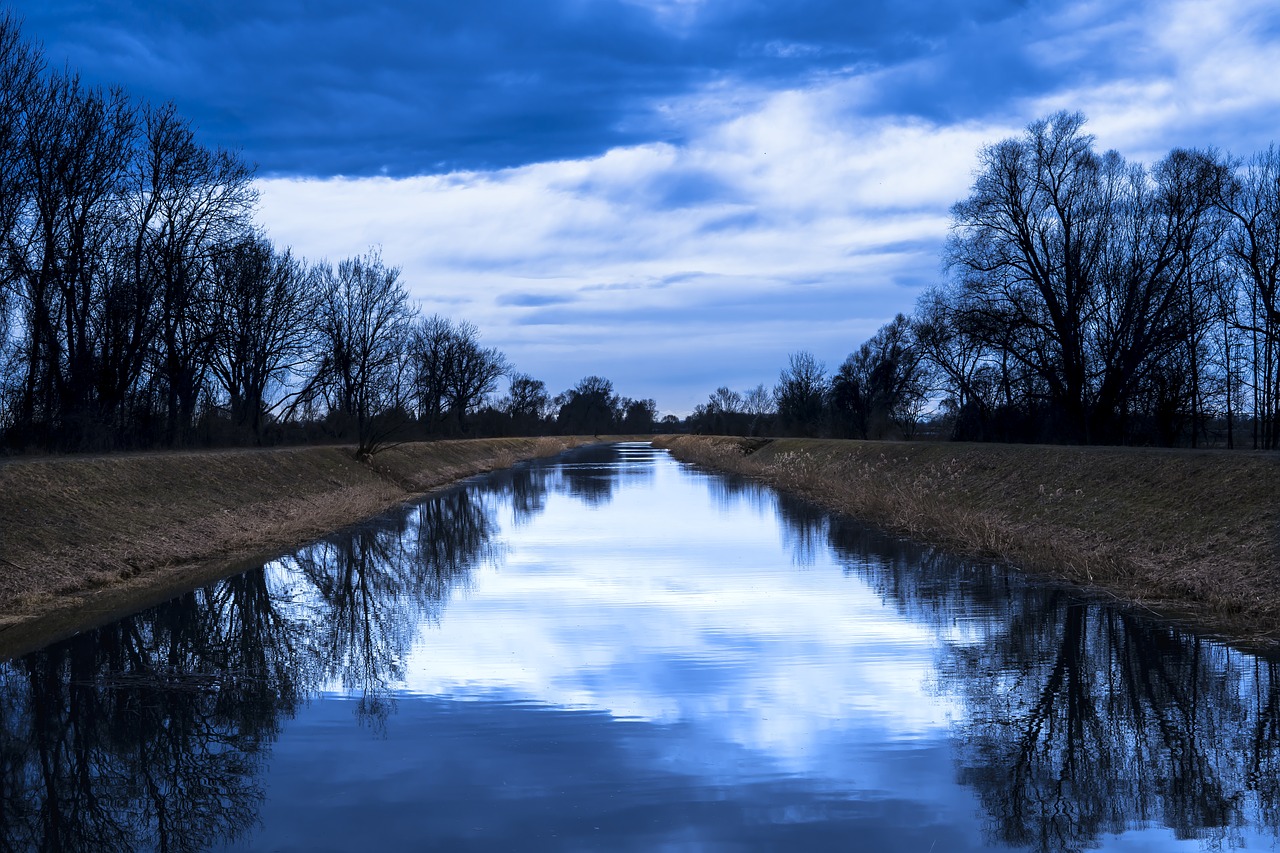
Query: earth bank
<point x="1191" y="534"/>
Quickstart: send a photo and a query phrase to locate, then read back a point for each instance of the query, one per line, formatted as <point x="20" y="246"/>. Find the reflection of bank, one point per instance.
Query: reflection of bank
<point x="152" y="731"/>
<point x="149" y="732"/>
<point x="1082" y="720"/>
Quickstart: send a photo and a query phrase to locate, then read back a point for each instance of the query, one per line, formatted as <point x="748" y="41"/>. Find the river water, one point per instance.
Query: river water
<point x="615" y="651"/>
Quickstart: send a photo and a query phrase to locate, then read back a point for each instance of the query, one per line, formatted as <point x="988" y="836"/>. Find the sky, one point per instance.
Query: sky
<point x="672" y="194"/>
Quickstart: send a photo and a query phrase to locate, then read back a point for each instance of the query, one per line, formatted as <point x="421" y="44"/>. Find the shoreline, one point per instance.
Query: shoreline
<point x="1192" y="536"/>
<point x="84" y="540"/>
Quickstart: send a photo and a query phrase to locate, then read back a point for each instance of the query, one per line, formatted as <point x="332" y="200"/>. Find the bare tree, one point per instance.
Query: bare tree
<point x="364" y="319"/>
<point x="77" y="148"/>
<point x="883" y="385"/>
<point x="1076" y="266"/>
<point x="800" y="392"/>
<point x="588" y="408"/>
<point x="452" y="372"/>
<point x="961" y="363"/>
<point x="475" y="372"/>
<point x="266" y="303"/>
<point x="189" y="200"/>
<point x="726" y="400"/>
<point x="1027" y="243"/>
<point x="20" y="66"/>
<point x="637" y="416"/>
<point x="1252" y="201"/>
<point x="527" y="403"/>
<point x="757" y="401"/>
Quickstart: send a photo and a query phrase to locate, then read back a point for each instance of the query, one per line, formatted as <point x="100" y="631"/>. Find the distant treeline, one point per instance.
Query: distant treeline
<point x="140" y="305"/>
<point x="1088" y="300"/>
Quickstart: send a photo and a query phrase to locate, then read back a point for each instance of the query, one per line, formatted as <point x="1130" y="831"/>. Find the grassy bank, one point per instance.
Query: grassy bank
<point x="84" y="538"/>
<point x="1192" y="534"/>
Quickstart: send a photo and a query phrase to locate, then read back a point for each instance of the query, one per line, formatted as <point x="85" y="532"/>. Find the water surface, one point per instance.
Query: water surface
<point x="614" y="651"/>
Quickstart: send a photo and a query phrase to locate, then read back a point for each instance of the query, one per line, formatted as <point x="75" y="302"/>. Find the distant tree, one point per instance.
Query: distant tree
<point x="849" y="398"/>
<point x="638" y="416"/>
<point x="882" y="386"/>
<point x="726" y="400"/>
<point x="474" y="373"/>
<point x="957" y="359"/>
<point x="757" y="403"/>
<point x="527" y="404"/>
<point x="431" y="358"/>
<point x="729" y="412"/>
<point x="452" y="372"/>
<point x="364" y="320"/>
<point x="799" y="394"/>
<point x="589" y="408"/>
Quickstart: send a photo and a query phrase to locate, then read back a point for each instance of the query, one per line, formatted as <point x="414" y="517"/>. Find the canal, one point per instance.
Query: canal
<point x="612" y="650"/>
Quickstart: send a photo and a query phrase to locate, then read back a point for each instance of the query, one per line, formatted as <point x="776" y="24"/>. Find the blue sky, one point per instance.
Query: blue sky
<point x="674" y="194"/>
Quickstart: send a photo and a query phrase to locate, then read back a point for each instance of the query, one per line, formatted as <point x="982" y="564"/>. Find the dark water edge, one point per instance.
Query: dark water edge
<point x="682" y="686"/>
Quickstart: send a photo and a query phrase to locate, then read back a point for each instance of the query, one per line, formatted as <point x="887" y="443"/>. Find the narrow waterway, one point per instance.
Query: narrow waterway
<point x="615" y="651"/>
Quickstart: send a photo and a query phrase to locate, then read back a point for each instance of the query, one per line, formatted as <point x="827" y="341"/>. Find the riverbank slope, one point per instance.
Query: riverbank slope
<point x="1194" y="535"/>
<point x="84" y="538"/>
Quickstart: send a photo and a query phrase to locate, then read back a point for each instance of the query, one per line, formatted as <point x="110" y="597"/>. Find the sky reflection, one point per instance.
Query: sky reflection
<point x="678" y="608"/>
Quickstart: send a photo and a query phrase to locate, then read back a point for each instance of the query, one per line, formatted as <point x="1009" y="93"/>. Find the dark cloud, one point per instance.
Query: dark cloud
<point x="413" y="88"/>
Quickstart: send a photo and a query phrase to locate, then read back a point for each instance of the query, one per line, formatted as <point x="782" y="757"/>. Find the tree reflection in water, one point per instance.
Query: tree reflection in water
<point x="371" y="589"/>
<point x="594" y="473"/>
<point x="1079" y="720"/>
<point x="149" y="732"/>
<point x="152" y="732"/>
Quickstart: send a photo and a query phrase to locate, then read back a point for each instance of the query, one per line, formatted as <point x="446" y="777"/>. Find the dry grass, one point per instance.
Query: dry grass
<point x="77" y="531"/>
<point x="1193" y="534"/>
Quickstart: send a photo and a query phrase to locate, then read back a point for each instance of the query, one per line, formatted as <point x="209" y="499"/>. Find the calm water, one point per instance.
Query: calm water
<point x="614" y="651"/>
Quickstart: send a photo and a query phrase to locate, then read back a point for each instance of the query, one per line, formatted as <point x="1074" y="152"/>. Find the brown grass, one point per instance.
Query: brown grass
<point x="1191" y="534"/>
<point x="83" y="537"/>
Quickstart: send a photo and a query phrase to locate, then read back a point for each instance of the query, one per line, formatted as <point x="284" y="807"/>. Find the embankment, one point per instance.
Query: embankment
<point x="1193" y="535"/>
<point x="85" y="538"/>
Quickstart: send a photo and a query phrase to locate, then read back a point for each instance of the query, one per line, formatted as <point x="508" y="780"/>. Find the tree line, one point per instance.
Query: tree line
<point x="141" y="306"/>
<point x="1088" y="299"/>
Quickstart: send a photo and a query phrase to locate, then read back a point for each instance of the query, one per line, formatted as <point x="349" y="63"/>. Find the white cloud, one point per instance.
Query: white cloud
<point x="667" y="246"/>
